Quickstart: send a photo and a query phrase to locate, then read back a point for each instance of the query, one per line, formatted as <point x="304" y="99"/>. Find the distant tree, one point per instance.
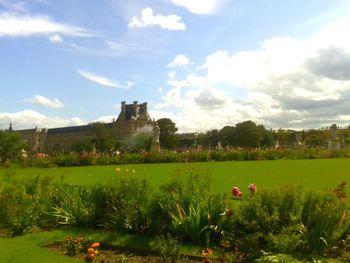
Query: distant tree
<point x="139" y="141"/>
<point x="101" y="137"/>
<point x="248" y="134"/>
<point x="167" y="136"/>
<point x="209" y="139"/>
<point x="84" y="145"/>
<point x="285" y="137"/>
<point x="227" y="135"/>
<point x="316" y="138"/>
<point x="11" y="145"/>
<point x="267" y="136"/>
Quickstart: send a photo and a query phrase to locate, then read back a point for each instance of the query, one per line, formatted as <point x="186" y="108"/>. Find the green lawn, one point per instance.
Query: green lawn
<point x="31" y="248"/>
<point x="311" y="174"/>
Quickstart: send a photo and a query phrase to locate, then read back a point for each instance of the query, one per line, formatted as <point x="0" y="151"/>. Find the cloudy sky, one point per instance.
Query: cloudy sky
<point x="202" y="63"/>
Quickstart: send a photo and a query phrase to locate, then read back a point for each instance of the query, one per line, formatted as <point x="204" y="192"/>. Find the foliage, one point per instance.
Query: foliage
<point x="74" y="206"/>
<point x="289" y="221"/>
<point x="24" y="205"/>
<point x="101" y="137"/>
<point x="325" y="220"/>
<point x="168" y="248"/>
<point x="129" y="206"/>
<point x="247" y="134"/>
<point x="74" y="246"/>
<point x="11" y="146"/>
<point x="139" y="141"/>
<point x="272" y="258"/>
<point x="167" y="130"/>
<point x="285" y="221"/>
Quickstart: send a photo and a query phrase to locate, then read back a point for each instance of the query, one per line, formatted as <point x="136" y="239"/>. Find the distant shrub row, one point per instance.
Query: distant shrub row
<point x="75" y="159"/>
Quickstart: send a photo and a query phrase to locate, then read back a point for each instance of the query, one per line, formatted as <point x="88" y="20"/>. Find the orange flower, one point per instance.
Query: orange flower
<point x="90" y="250"/>
<point x="207" y="252"/>
<point x="95" y="245"/>
<point x="92" y="255"/>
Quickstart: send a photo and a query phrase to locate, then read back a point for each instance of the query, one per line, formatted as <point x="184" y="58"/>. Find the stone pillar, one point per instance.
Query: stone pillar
<point x="334" y="142"/>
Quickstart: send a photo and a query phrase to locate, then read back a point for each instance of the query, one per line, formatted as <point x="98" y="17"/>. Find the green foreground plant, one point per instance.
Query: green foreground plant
<point x="286" y="221"/>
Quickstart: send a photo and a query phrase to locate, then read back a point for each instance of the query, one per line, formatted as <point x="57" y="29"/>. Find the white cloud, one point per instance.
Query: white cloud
<point x="172" y="74"/>
<point x="287" y="82"/>
<point x="205" y="7"/>
<point x="56" y="39"/>
<point x="179" y="61"/>
<point x="13" y="5"/>
<point x="18" y="25"/>
<point x="29" y="119"/>
<point x="103" y="81"/>
<point x="48" y="103"/>
<point x="148" y="19"/>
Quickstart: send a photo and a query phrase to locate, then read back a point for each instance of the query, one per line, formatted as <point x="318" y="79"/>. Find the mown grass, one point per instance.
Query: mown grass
<point x="314" y="174"/>
<point x="32" y="248"/>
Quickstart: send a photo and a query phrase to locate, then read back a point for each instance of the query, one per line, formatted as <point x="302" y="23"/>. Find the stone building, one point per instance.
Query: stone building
<point x="133" y="118"/>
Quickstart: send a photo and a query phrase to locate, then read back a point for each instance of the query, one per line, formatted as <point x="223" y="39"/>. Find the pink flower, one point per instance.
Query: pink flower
<point x="252" y="188"/>
<point x="236" y="192"/>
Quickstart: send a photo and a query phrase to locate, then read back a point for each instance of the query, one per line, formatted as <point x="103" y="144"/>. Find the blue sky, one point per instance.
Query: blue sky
<point x="203" y="63"/>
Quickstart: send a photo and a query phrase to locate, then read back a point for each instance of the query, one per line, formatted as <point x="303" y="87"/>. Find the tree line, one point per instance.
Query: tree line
<point x="244" y="134"/>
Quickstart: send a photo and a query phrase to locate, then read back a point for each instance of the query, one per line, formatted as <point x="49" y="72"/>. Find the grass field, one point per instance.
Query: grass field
<point x="310" y="174"/>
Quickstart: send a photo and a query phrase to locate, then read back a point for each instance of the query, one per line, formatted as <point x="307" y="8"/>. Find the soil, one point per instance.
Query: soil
<point x="118" y="256"/>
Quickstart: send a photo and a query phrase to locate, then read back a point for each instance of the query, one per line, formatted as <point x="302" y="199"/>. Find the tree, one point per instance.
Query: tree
<point x="83" y="145"/>
<point x="226" y="135"/>
<point x="285" y="137"/>
<point x="167" y="136"/>
<point x="11" y="145"/>
<point x="139" y="141"/>
<point x="267" y="136"/>
<point x="101" y="137"/>
<point x="316" y="138"/>
<point x="247" y="134"/>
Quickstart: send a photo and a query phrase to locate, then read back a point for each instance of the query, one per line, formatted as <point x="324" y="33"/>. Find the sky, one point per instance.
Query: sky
<point x="204" y="64"/>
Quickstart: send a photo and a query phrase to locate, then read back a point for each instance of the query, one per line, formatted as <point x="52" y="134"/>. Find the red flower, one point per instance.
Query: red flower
<point x="236" y="192"/>
<point x="252" y="188"/>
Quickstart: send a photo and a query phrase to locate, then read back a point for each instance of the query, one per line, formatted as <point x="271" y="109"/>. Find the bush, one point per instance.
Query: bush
<point x="24" y="205"/>
<point x="289" y="221"/>
<point x="74" y="206"/>
<point x="129" y="208"/>
<point x="67" y="160"/>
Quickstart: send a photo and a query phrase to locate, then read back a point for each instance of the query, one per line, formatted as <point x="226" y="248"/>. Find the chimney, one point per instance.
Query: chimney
<point x="123" y="107"/>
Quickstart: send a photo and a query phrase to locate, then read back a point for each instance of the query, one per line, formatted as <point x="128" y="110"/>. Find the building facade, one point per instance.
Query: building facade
<point x="133" y="118"/>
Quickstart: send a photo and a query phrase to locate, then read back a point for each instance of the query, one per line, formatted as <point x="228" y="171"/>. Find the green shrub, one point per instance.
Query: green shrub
<point x="167" y="247"/>
<point x="277" y="258"/>
<point x="288" y="221"/>
<point x="129" y="208"/>
<point x="24" y="205"/>
<point x="325" y="219"/>
<point x="67" y="160"/>
<point x="74" y="206"/>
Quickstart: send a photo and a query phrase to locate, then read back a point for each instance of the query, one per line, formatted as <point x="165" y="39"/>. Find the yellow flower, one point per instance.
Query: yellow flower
<point x="133" y="171"/>
<point x="117" y="170"/>
<point x="126" y="170"/>
<point x="96" y="252"/>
